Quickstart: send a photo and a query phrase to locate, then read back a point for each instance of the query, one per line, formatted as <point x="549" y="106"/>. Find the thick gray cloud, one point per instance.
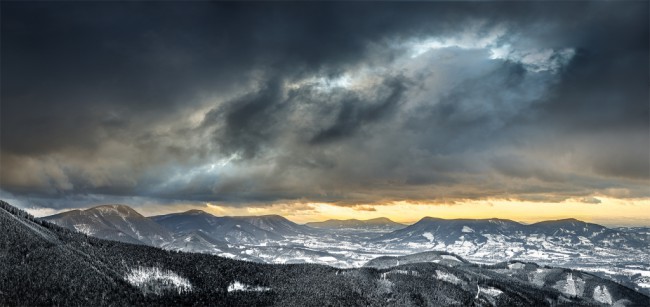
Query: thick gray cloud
<point x="337" y="102"/>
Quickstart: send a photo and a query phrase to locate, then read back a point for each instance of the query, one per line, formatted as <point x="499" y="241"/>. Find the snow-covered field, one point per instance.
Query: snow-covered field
<point x="239" y="286"/>
<point x="155" y="280"/>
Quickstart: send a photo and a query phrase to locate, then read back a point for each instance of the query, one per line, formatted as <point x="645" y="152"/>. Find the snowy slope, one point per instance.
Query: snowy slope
<point x="225" y="229"/>
<point x="276" y="224"/>
<point x="113" y="222"/>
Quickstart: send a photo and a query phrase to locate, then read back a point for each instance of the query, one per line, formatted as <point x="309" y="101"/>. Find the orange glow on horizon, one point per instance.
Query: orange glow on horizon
<point x="610" y="211"/>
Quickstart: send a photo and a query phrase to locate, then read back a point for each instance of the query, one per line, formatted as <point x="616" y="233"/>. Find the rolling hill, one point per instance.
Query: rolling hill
<point x="225" y="229"/>
<point x="113" y="222"/>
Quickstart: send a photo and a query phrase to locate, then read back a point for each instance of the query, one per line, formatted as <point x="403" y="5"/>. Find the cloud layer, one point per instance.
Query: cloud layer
<point x="345" y="103"/>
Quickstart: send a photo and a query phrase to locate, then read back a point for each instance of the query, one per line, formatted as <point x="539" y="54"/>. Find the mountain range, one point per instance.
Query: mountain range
<point x="620" y="254"/>
<point x="377" y="224"/>
<point x="45" y="264"/>
<point x="566" y="231"/>
<point x="122" y="223"/>
<point x="226" y="229"/>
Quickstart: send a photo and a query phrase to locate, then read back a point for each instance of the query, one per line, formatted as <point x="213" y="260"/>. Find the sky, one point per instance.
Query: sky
<point x="520" y="110"/>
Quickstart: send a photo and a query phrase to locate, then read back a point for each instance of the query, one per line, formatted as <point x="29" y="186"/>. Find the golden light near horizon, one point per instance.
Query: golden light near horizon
<point x="610" y="211"/>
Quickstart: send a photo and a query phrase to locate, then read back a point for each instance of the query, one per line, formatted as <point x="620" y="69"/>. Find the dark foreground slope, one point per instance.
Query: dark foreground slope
<point x="44" y="264"/>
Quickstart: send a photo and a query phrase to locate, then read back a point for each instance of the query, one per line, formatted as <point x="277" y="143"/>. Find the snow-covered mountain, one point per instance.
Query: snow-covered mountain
<point x="380" y="224"/>
<point x="431" y="229"/>
<point x="225" y="229"/>
<point x="479" y="232"/>
<point x="620" y="254"/>
<point x="276" y="224"/>
<point x="595" y="234"/>
<point x="113" y="222"/>
<point x="614" y="253"/>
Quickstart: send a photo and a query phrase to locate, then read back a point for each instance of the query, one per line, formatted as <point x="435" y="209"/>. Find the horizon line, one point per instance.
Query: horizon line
<point x="409" y="223"/>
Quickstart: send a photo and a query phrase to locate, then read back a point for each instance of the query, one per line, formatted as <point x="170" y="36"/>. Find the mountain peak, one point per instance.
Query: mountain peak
<point x="118" y="208"/>
<point x="570" y="220"/>
<point x="267" y="216"/>
<point x="111" y="207"/>
<point x="429" y="218"/>
<point x="114" y="222"/>
<point x="380" y="219"/>
<point x="561" y="221"/>
<point x="195" y="212"/>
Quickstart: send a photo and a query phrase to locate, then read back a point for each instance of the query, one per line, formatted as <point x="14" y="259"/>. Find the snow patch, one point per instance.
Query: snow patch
<point x="428" y="235"/>
<point x="571" y="286"/>
<point x="444" y="276"/>
<point x="450" y="257"/>
<point x="238" y="286"/>
<point x="154" y="280"/>
<point x="84" y="228"/>
<point x="467" y="229"/>
<point x="228" y="255"/>
<point x="490" y="291"/>
<point x="601" y="294"/>
<point x="516" y="266"/>
<point x="538" y="277"/>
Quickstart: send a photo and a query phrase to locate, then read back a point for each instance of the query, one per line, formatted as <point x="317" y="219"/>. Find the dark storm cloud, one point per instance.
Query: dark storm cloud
<point x="84" y="63"/>
<point x="247" y="123"/>
<point x="241" y="102"/>
<point x="353" y="113"/>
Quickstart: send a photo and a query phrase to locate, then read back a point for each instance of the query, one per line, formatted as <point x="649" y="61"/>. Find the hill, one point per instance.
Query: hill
<point x="225" y="229"/>
<point x="113" y="222"/>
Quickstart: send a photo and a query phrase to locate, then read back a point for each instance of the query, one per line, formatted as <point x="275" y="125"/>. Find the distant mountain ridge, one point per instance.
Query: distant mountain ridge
<point x="225" y="229"/>
<point x="122" y="223"/>
<point x="276" y="224"/>
<point x="480" y="231"/>
<point x="376" y="223"/>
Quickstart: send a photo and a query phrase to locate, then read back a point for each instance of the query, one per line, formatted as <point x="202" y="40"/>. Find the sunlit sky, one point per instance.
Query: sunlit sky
<point x="526" y="111"/>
